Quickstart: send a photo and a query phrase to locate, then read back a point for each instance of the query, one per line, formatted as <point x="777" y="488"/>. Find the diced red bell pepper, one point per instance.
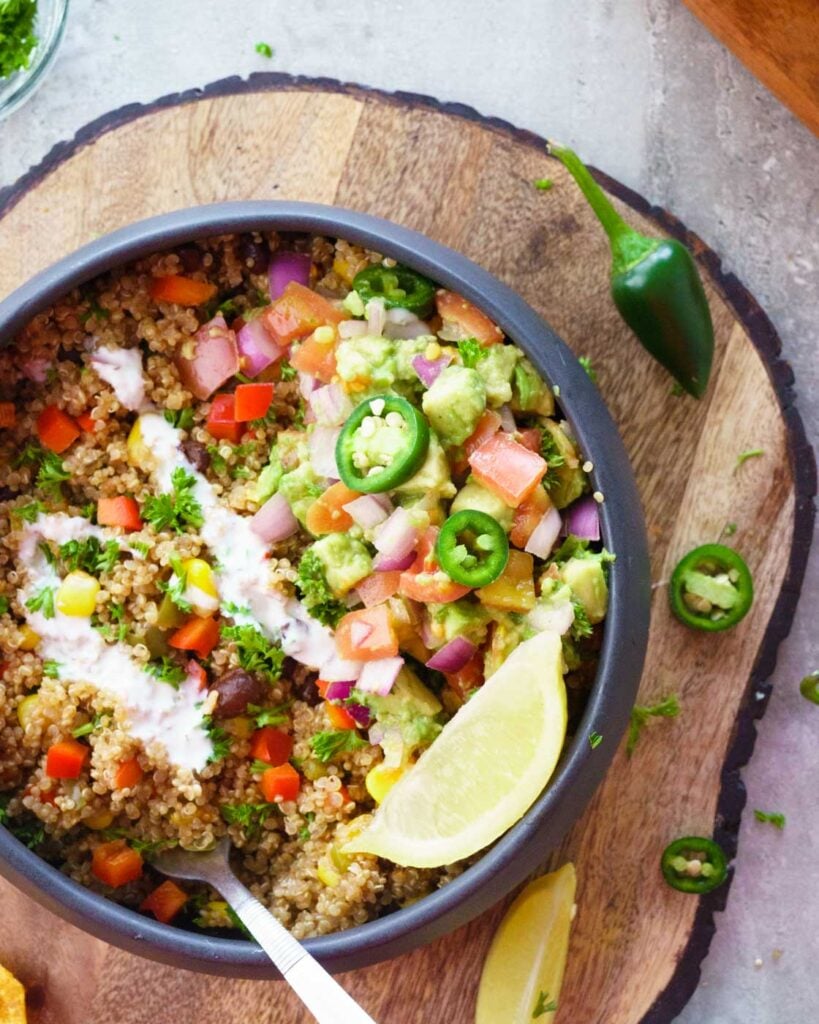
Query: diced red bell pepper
<point x="507" y="469"/>
<point x="122" y="511"/>
<point x="115" y="863"/>
<point x="165" y="901"/>
<point x="65" y="759"/>
<point x="340" y="718"/>
<point x="280" y="783"/>
<point x="271" y="745"/>
<point x="297" y="312"/>
<point x="56" y="429"/>
<point x="87" y="422"/>
<point x="221" y="422"/>
<point x="197" y="634"/>
<point x="252" y="401"/>
<point x="184" y="291"/>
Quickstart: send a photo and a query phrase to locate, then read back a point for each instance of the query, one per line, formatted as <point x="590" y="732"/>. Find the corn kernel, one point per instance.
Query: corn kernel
<point x="432" y="351"/>
<point x="327" y="875"/>
<point x="340" y="860"/>
<point x="29" y="640"/>
<point x="343" y="269"/>
<point x="26" y="709"/>
<point x="201" y="591"/>
<point x="241" y="727"/>
<point x="325" y="335"/>
<point x="139" y="454"/>
<point x="77" y="594"/>
<point x="380" y="781"/>
<point x="97" y="822"/>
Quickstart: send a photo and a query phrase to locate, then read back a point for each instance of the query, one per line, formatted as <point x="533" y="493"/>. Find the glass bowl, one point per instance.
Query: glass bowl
<point x="49" y="27"/>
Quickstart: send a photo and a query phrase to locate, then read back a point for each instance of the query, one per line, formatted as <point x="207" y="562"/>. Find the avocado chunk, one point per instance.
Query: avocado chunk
<point x="529" y="392"/>
<point x="718" y="590"/>
<point x="495" y="367"/>
<point x="565" y="479"/>
<point x="475" y="496"/>
<point x="345" y="560"/>
<point x="455" y="403"/>
<point x="433" y="479"/>
<point x="301" y="487"/>
<point x="459" y="618"/>
<point x="410" y="710"/>
<point x="587" y="580"/>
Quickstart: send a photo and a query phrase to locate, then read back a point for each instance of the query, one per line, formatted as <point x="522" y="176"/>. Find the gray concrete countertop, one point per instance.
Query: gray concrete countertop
<point x="642" y="91"/>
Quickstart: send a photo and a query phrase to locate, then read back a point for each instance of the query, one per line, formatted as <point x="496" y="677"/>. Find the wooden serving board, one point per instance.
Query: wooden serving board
<point x="467" y="181"/>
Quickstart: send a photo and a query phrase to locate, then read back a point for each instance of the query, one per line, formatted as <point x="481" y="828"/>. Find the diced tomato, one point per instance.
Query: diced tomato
<point x="221" y="422"/>
<point x="197" y="634"/>
<point x="252" y="401"/>
<point x="467" y="678"/>
<point x="165" y="901"/>
<point x="56" y="429"/>
<point x="514" y="589"/>
<point x="367" y="635"/>
<point x="65" y="759"/>
<point x="425" y="581"/>
<point x="297" y="312"/>
<point x="469" y="321"/>
<point x="280" y="783"/>
<point x="271" y="745"/>
<point x="87" y="422"/>
<point x="318" y="358"/>
<point x="122" y="511"/>
<point x="184" y="291"/>
<point x="527" y="515"/>
<point x="507" y="469"/>
<point x="327" y="515"/>
<point x="128" y="774"/>
<point x="531" y="439"/>
<point x="8" y="414"/>
<point x="115" y="863"/>
<point x="488" y="424"/>
<point x="377" y="587"/>
<point x="340" y="718"/>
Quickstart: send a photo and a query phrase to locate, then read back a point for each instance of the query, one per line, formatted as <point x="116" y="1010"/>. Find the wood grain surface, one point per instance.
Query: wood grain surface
<point x="776" y="39"/>
<point x="467" y="182"/>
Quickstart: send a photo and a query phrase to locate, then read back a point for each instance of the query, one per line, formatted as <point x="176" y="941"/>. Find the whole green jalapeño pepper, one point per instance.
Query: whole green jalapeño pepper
<point x="655" y="286"/>
<point x="472" y="548"/>
<point x="383" y="443"/>
<point x="694" y="864"/>
<point x="711" y="588"/>
<point x="398" y="286"/>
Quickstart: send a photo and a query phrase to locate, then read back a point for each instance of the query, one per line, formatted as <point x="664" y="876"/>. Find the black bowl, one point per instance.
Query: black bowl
<point x="581" y="769"/>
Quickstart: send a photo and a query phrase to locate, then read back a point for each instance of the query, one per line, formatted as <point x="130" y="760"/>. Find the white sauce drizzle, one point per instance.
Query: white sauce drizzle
<point x="122" y="369"/>
<point x="156" y="711"/>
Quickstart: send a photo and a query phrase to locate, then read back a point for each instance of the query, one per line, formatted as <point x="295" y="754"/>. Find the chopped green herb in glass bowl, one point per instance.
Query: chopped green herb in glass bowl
<point x="30" y="33"/>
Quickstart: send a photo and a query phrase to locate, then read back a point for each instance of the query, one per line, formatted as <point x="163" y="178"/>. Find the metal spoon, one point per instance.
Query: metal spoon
<point x="317" y="989"/>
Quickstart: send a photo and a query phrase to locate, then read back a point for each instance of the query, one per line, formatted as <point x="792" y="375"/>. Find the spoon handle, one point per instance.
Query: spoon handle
<point x="317" y="989"/>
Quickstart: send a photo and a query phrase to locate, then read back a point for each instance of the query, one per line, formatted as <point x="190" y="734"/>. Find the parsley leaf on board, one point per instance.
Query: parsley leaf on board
<point x="543" y="184"/>
<point x="586" y="363"/>
<point x="595" y="739"/>
<point x="751" y="453"/>
<point x="774" y="818"/>
<point x="544" y="1005"/>
<point x="641" y="713"/>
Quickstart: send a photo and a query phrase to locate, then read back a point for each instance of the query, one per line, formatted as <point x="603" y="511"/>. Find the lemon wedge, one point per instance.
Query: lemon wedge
<point x="524" y="967"/>
<point x="484" y="771"/>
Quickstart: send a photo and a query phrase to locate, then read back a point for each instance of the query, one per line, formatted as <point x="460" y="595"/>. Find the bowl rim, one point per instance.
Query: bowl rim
<point x="525" y="846"/>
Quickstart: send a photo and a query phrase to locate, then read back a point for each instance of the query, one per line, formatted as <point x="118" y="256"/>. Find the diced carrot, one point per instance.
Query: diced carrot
<point x="221" y="422"/>
<point x="316" y="358"/>
<point x="56" y="429"/>
<point x="425" y="581"/>
<point x="128" y="774"/>
<point x="165" y="901"/>
<point x="252" y="401"/>
<point x="197" y="634"/>
<point x="65" y="759"/>
<point x="514" y="589"/>
<point x="8" y="414"/>
<point x="507" y="469"/>
<point x="115" y="863"/>
<point x="468" y="319"/>
<point x="122" y="511"/>
<point x="297" y="312"/>
<point x="467" y="678"/>
<point x="87" y="422"/>
<point x="340" y="718"/>
<point x="280" y="783"/>
<point x="527" y="515"/>
<point x="366" y="635"/>
<point x="184" y="291"/>
<point x="271" y="745"/>
<point x="377" y="587"/>
<point x="327" y="515"/>
<point x="531" y="439"/>
<point x="488" y="424"/>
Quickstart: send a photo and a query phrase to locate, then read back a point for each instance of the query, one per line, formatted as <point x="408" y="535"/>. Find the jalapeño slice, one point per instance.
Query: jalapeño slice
<point x="398" y="286"/>
<point x="472" y="548"/>
<point x="694" y="864"/>
<point x="383" y="443"/>
<point x="711" y="588"/>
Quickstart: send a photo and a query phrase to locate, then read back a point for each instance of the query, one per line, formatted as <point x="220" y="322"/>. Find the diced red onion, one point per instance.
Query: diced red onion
<point x="384" y="501"/>
<point x="366" y="511"/>
<point x="544" y="534"/>
<point x="378" y="676"/>
<point x="307" y="385"/>
<point x="429" y="369"/>
<point x="398" y="537"/>
<point x="359" y="632"/>
<point x="360" y="713"/>
<point x="340" y="690"/>
<point x="322" y="445"/>
<point x="330" y="405"/>
<point x="257" y="350"/>
<point x="286" y="267"/>
<point x="274" y="521"/>
<point x="583" y="519"/>
<point x="428" y="636"/>
<point x="36" y="369"/>
<point x="392" y="743"/>
<point x="401" y="323"/>
<point x="376" y="317"/>
<point x="556" y="620"/>
<point x="452" y="656"/>
<point x="507" y="420"/>
<point x="386" y="563"/>
<point x="215" y="359"/>
<point x="353" y="329"/>
<point x="376" y="734"/>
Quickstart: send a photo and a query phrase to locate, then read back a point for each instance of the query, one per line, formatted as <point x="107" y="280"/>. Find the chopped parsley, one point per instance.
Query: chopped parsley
<point x="729" y="529"/>
<point x="338" y="741"/>
<point x="89" y="511"/>
<point x="543" y="184"/>
<point x="543" y="1005"/>
<point x="217" y="461"/>
<point x="471" y="351"/>
<point x="94" y="311"/>
<point x="677" y="390"/>
<point x="304" y="831"/>
<point x="595" y="739"/>
<point x="256" y="653"/>
<point x="269" y="716"/>
<point x="43" y="601"/>
<point x="144" y="847"/>
<point x="105" y="630"/>
<point x="641" y="713"/>
<point x="141" y="547"/>
<point x="318" y="598"/>
<point x="231" y="608"/>
<point x="259" y="767"/>
<point x="166" y="670"/>
<point x="29" y="456"/>
<point x="288" y="371"/>
<point x="219" y="738"/>
<point x="581" y="627"/>
<point x="264" y="50"/>
<point x="92" y="726"/>
<point x="28" y="513"/>
<point x="771" y="817"/>
<point x="176" y="586"/>
<point x="182" y="419"/>
<point x="751" y="453"/>
<point x="177" y="509"/>
<point x="51" y="669"/>
<point x="29" y="832"/>
<point x="4" y="605"/>
<point x="249" y="817"/>
<point x="586" y="363"/>
<point x="809" y="687"/>
<point x="550" y="452"/>
<point x="17" y="35"/>
<point x="52" y="473"/>
<point x="89" y="555"/>
<point x="45" y="550"/>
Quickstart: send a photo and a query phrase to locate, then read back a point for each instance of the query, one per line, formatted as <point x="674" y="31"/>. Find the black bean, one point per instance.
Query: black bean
<point x="190" y="256"/>
<point x="236" y="690"/>
<point x="196" y="454"/>
<point x="303" y="681"/>
<point x="255" y="256"/>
